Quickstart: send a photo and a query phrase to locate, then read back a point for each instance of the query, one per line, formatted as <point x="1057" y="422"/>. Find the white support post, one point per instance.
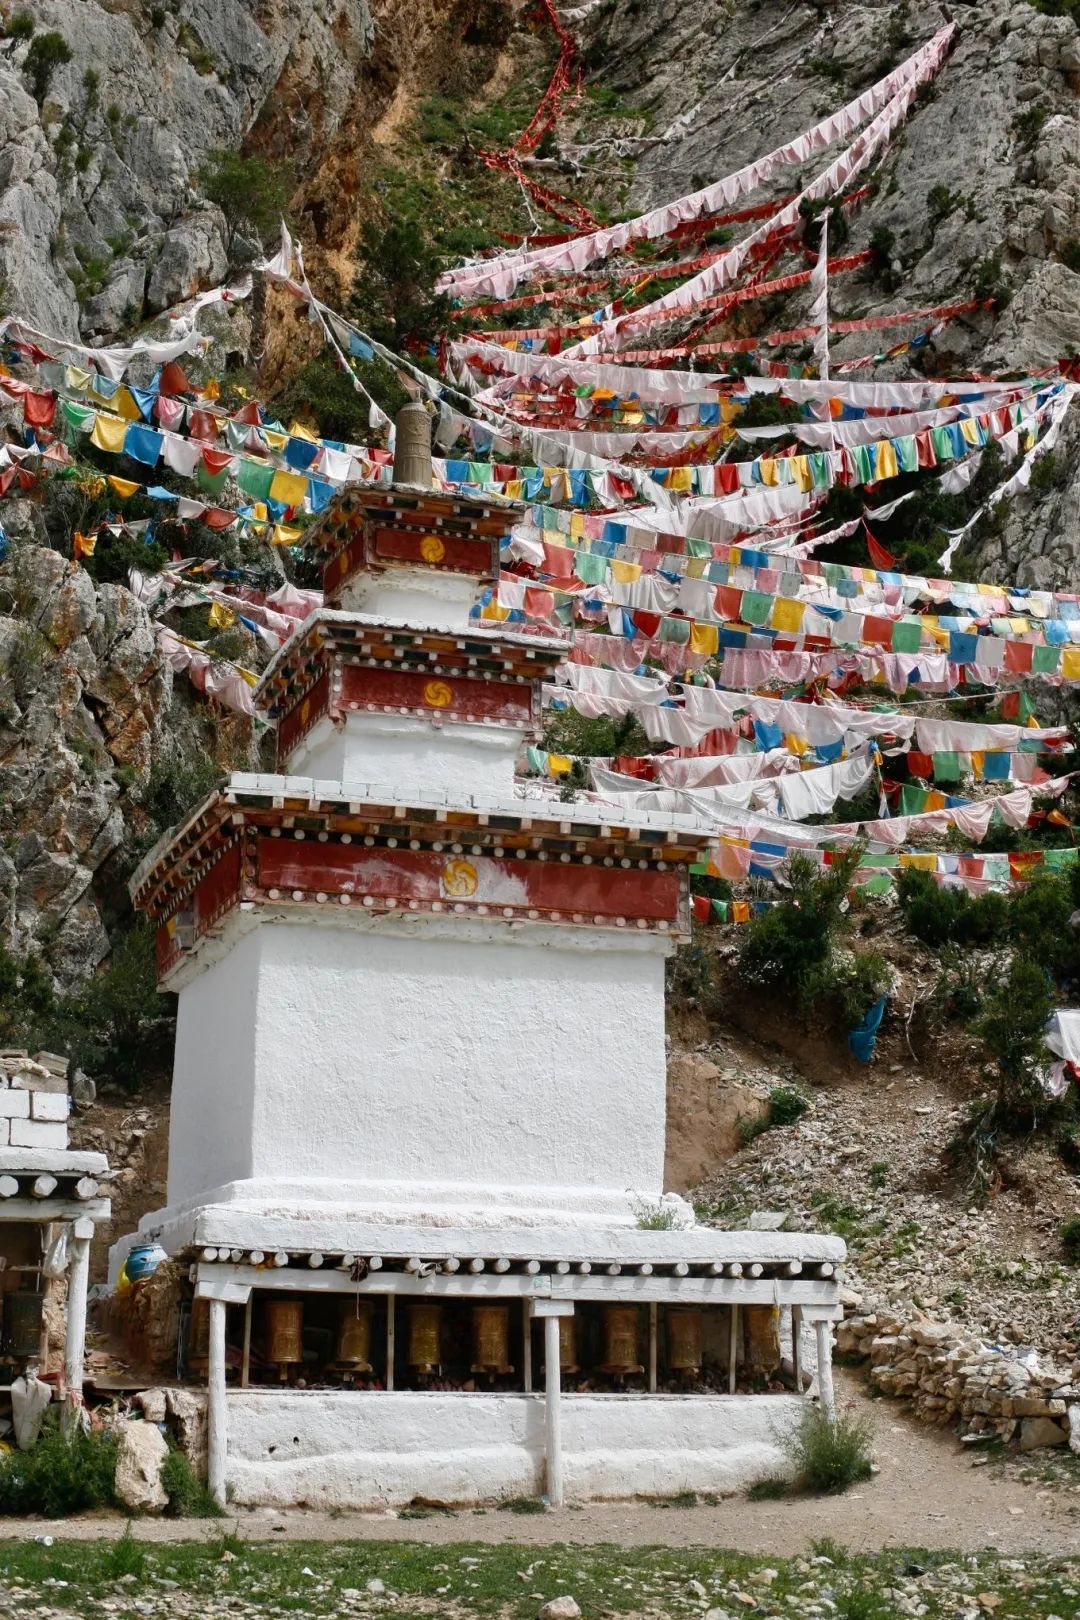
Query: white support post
<point x="823" y="1330"/>
<point x="216" y="1420"/>
<point x="390" y="1298"/>
<point x="796" y="1347"/>
<point x="526" y="1347"/>
<point x="552" y="1412"/>
<point x="733" y="1347"/>
<point x="75" y="1340"/>
<point x="652" y="1347"/>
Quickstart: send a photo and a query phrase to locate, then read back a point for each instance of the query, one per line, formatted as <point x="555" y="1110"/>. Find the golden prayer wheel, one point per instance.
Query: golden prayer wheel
<point x="284" y="1331"/>
<point x="491" y="1339"/>
<point x="198" y="1336"/>
<point x="425" y="1336"/>
<point x="354" y="1335"/>
<point x="762" y="1337"/>
<point x="684" y="1336"/>
<point x="620" y="1333"/>
<point x="568" y="1361"/>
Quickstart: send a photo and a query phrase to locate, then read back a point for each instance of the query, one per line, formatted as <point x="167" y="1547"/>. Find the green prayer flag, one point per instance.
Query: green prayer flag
<point x="254" y="478"/>
<point x="906" y="635"/>
<point x="755" y="607"/>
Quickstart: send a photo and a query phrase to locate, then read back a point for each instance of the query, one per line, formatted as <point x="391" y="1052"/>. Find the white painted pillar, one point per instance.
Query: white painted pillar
<point x="552" y="1411"/>
<point x="823" y="1330"/>
<point x="796" y="1347"/>
<point x="75" y="1339"/>
<point x="216" y="1420"/>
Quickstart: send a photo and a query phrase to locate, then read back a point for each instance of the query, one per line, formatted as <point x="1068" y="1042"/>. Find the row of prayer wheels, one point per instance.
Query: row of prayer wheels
<point x="620" y="1329"/>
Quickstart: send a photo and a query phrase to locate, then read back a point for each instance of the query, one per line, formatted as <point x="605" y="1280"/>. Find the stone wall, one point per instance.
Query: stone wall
<point x="950" y="1378"/>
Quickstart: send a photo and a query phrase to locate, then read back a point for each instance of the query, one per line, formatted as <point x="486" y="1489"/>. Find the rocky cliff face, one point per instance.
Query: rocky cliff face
<point x="981" y="193"/>
<point x="102" y="224"/>
<point x="97" y="176"/>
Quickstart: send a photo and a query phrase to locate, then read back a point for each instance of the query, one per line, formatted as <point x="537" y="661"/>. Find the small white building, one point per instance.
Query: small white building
<point x="417" y="1131"/>
<point x="51" y="1199"/>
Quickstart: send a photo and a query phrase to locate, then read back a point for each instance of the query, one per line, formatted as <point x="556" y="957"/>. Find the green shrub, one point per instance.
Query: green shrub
<point x="829" y="1457"/>
<point x="20" y="26"/>
<point x="786" y="1105"/>
<point x="249" y="191"/>
<point x="45" y="54"/>
<point x="61" y="1475"/>
<point x="938" y="915"/>
<point x="767" y="1490"/>
<point x="189" y="1497"/>
<point x="1070" y="1240"/>
<point x="323" y="394"/>
<point x="1011" y="1031"/>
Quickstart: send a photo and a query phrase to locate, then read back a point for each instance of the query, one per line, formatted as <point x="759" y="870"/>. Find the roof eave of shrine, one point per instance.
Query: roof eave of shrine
<point x="306" y="796"/>
<point x="378" y="499"/>
<point x="320" y="628"/>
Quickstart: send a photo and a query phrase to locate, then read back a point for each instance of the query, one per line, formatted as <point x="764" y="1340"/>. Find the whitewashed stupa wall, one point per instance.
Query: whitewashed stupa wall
<point x="409" y="754"/>
<point x="424" y="1064"/>
<point x="440" y="601"/>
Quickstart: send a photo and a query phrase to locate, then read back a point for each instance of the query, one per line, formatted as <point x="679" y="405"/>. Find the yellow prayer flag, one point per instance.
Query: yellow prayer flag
<point x="559" y="764"/>
<point x="886" y="464"/>
<point x="123" y="487"/>
<point x="704" y="638"/>
<point x="125" y="406"/>
<point x="273" y="439"/>
<point x="1070" y="663"/>
<point x="681" y="479"/>
<point x="795" y="744"/>
<point x="767" y="469"/>
<point x="624" y="573"/>
<point x="221" y="617"/>
<point x="285" y="536"/>
<point x="84" y="544"/>
<point x="212" y="389"/>
<point x="921" y="863"/>
<point x="787" y="614"/>
<point x="803" y="475"/>
<point x="978" y="763"/>
<point x="577" y="526"/>
<point x="297" y="430"/>
<point x="109" y="433"/>
<point x="740" y="911"/>
<point x="289" y="488"/>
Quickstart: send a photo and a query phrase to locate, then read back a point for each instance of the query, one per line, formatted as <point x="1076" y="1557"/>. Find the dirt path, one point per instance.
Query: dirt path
<point x="927" y="1494"/>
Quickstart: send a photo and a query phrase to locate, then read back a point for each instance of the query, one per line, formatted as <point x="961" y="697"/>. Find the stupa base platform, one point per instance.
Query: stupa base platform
<point x="332" y="1449"/>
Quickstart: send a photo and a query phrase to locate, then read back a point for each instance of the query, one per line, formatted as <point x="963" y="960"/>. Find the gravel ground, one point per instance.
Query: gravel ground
<point x="929" y="1492"/>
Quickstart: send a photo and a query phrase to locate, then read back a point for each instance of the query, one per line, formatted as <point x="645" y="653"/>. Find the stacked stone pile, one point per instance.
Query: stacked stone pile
<point x="991" y="1391"/>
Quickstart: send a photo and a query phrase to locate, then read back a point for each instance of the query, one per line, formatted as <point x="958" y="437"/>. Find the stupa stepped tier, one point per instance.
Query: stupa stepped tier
<point x="417" y="1130"/>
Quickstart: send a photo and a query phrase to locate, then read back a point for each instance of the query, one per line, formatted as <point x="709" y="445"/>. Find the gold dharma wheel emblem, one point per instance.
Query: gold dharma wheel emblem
<point x="438" y="695"/>
<point x="432" y="549"/>
<point x="460" y="879"/>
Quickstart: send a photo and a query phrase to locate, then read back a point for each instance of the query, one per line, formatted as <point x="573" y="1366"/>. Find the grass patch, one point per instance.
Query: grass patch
<point x="502" y="1580"/>
<point x="829" y="1457"/>
<point x="189" y="1497"/>
<point x="523" y="1504"/>
<point x="767" y="1490"/>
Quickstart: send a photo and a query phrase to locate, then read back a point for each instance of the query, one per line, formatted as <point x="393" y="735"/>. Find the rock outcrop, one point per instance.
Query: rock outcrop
<point x="101" y="221"/>
<point x="85" y="692"/>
